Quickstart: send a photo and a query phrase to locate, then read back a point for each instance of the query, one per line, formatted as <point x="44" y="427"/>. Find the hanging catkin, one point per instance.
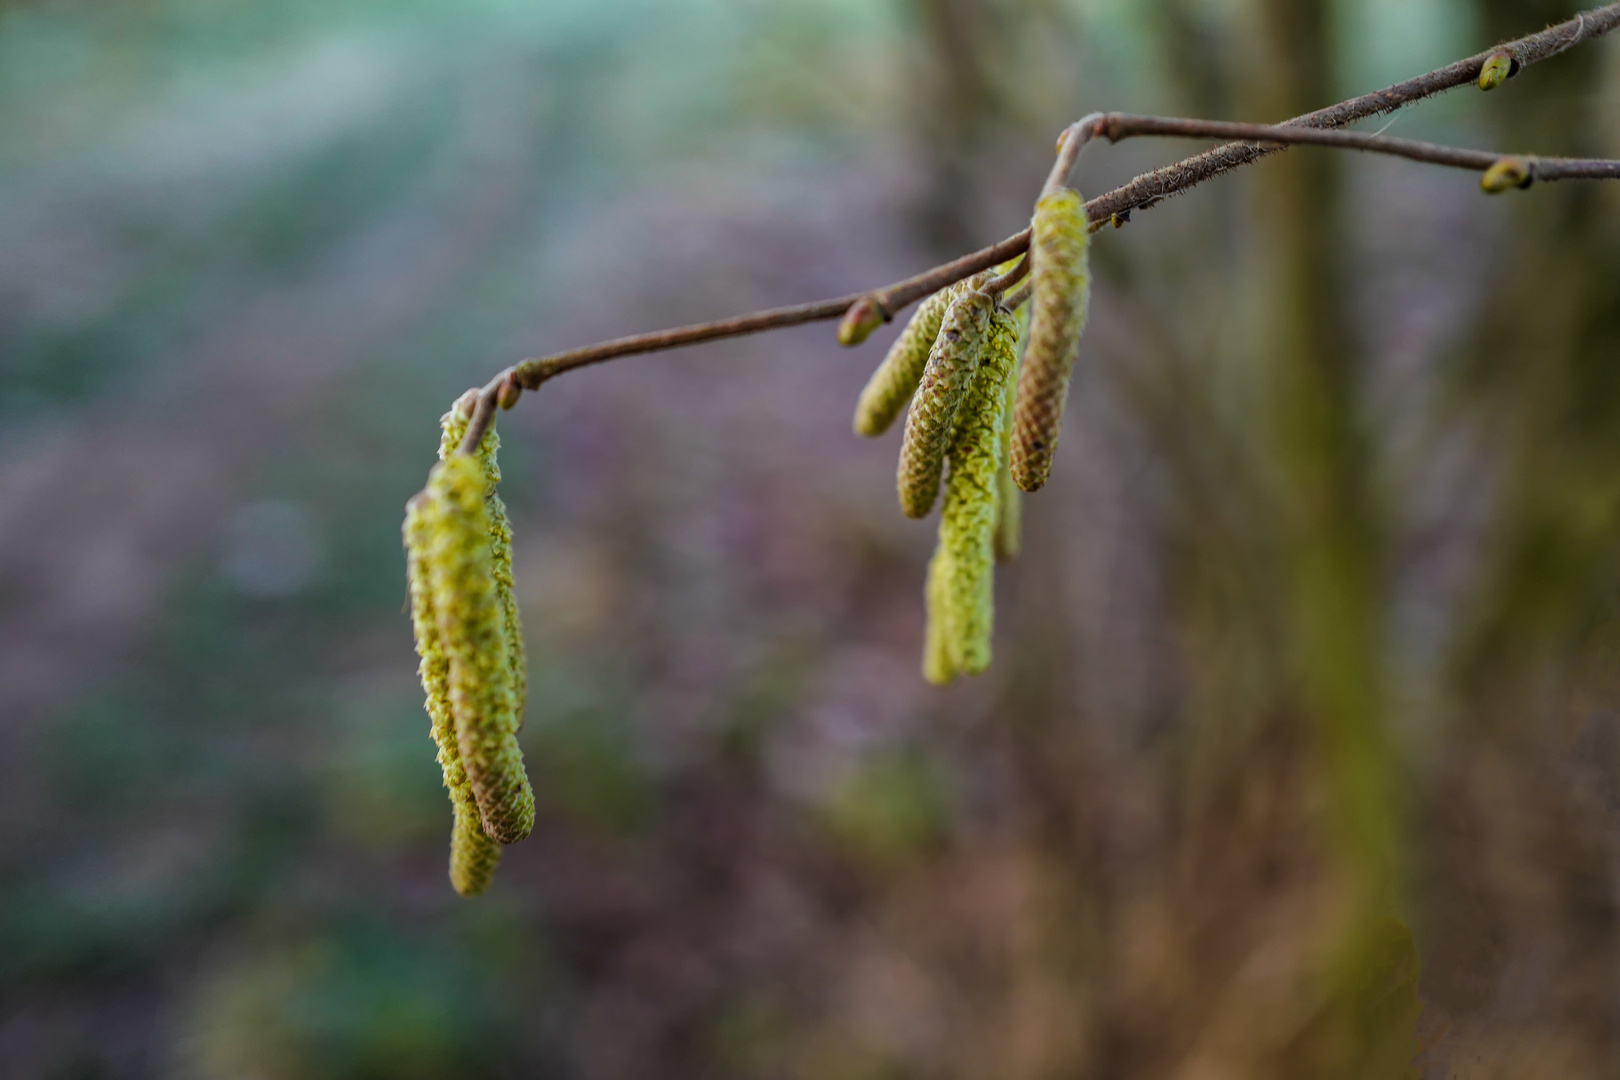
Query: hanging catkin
<point x="937" y="667"/>
<point x="967" y="528"/>
<point x="473" y="633"/>
<point x="892" y="384"/>
<point x="1009" y="499"/>
<point x="473" y="855"/>
<point x="896" y="379"/>
<point x="1062" y="284"/>
<point x="939" y="395"/>
<point x="453" y="426"/>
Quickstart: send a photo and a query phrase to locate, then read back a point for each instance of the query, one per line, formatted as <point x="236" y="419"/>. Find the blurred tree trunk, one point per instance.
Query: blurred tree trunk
<point x="1523" y="856"/>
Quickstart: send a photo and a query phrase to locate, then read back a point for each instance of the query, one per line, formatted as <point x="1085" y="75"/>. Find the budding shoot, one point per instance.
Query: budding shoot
<point x="1497" y="69"/>
<point x="864" y="316"/>
<point x="1507" y="174"/>
<point x="1062" y="295"/>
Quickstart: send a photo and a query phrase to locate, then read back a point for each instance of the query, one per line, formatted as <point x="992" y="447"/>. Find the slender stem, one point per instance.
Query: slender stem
<point x="1019" y="298"/>
<point x="999" y="285"/>
<point x="1139" y="194"/>
<point x="1070" y="143"/>
<point x="1120" y="126"/>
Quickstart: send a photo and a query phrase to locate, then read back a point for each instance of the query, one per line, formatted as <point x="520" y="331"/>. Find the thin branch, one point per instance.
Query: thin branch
<point x="1121" y="126"/>
<point x="1116" y="206"/>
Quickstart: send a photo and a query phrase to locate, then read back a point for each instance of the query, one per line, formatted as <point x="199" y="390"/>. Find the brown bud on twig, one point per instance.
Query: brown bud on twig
<point x="509" y="393"/>
<point x="864" y="316"/>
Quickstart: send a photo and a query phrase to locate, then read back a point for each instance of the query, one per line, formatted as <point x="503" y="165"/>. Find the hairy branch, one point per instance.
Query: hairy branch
<point x="1116" y="206"/>
<point x="1120" y="126"/>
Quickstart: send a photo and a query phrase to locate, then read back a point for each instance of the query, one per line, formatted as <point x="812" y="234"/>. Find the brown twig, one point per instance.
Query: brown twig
<point x="1120" y="126"/>
<point x="1116" y="206"/>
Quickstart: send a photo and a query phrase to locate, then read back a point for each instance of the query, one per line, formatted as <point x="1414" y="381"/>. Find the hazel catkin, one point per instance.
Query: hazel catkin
<point x="939" y="395"/>
<point x="1009" y="498"/>
<point x="937" y="667"/>
<point x="453" y="427"/>
<point x="473" y="855"/>
<point x="896" y="378"/>
<point x="472" y="630"/>
<point x="967" y="527"/>
<point x="1062" y="293"/>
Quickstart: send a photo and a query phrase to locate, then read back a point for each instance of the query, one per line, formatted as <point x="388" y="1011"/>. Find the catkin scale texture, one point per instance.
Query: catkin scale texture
<point x="1009" y="498"/>
<point x="453" y="426"/>
<point x="967" y="528"/>
<point x="894" y="381"/>
<point x="937" y="666"/>
<point x="473" y="855"/>
<point x="944" y="384"/>
<point x="1062" y="294"/>
<point x="473" y="633"/>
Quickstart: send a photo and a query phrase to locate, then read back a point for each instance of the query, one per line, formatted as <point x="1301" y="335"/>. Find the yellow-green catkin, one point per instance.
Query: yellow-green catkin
<point x="896" y="379"/>
<point x="1009" y="499"/>
<point x="453" y="426"/>
<point x="472" y="630"/>
<point x="967" y="528"/>
<point x="937" y="666"/>
<point x="1062" y="295"/>
<point x="473" y="855"/>
<point x="939" y="395"/>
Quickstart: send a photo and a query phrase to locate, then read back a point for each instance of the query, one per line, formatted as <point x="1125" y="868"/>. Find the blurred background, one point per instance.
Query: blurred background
<point x="1300" y="753"/>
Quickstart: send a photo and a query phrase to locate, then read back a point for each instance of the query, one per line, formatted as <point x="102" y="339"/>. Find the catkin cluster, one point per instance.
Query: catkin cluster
<point x="988" y="414"/>
<point x="458" y="547"/>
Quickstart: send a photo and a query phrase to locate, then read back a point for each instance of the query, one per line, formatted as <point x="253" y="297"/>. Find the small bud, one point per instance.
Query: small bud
<point x="864" y="316"/>
<point x="939" y="395"/>
<point x="509" y="393"/>
<point x="1507" y="174"/>
<point x="1062" y="283"/>
<point x="1498" y="68"/>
